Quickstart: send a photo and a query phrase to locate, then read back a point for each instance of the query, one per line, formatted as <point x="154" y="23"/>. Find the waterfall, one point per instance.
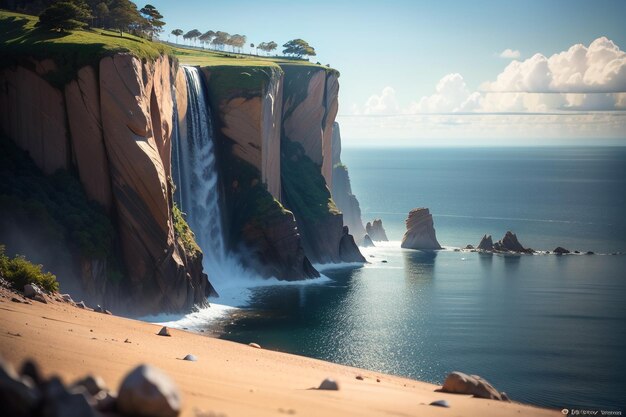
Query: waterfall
<point x="195" y="174"/>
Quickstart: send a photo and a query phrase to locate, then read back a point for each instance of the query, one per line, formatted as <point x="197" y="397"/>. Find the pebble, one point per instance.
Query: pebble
<point x="164" y="332"/>
<point x="440" y="403"/>
<point x="190" y="357"/>
<point x="329" y="384"/>
<point x="254" y="345"/>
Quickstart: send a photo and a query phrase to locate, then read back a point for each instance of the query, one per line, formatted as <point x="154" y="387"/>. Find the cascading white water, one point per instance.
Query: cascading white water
<point x="195" y="174"/>
<point x="197" y="194"/>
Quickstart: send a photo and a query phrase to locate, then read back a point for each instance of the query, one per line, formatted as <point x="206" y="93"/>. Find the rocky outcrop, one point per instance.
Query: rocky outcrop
<point x="509" y="243"/>
<point x="420" y="233"/>
<point x="376" y="231"/>
<point x="561" y="251"/>
<point x="341" y="190"/>
<point x="486" y="244"/>
<point x="320" y="223"/>
<point x="460" y="383"/>
<point x="114" y="127"/>
<point x="348" y="250"/>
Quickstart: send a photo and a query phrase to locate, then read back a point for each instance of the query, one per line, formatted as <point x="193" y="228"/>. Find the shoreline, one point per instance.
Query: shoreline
<point x="229" y="378"/>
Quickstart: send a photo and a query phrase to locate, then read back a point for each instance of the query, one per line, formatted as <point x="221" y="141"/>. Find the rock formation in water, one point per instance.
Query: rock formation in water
<point x="341" y="191"/>
<point x="367" y="242"/>
<point x="560" y="251"/>
<point x="376" y="231"/>
<point x="348" y="250"/>
<point x="420" y="233"/>
<point x="509" y="243"/>
<point x="113" y="126"/>
<point x="486" y="244"/>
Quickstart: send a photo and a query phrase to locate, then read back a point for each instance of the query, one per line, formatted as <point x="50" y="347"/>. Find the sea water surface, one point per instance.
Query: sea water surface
<point x="549" y="330"/>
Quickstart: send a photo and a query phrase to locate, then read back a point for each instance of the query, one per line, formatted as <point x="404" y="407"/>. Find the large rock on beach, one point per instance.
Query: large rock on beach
<point x="420" y="232"/>
<point x="376" y="231"/>
<point x="147" y="391"/>
<point x="460" y="383"/>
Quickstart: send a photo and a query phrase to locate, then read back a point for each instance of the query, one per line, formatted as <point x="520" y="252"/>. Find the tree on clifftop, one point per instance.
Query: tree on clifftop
<point x="154" y="23"/>
<point x="177" y="33"/>
<point x="299" y="48"/>
<point x="65" y="15"/>
<point x="125" y="16"/>
<point x="192" y="34"/>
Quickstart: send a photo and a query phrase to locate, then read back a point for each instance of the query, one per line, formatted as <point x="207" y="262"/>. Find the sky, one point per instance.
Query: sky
<point x="439" y="73"/>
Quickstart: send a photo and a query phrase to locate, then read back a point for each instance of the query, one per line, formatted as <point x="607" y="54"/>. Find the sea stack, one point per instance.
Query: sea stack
<point x="486" y="244"/>
<point x="376" y="231"/>
<point x="420" y="233"/>
<point x="509" y="243"/>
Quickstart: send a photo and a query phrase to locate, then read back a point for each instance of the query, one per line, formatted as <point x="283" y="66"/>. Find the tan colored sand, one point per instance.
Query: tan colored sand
<point x="229" y="379"/>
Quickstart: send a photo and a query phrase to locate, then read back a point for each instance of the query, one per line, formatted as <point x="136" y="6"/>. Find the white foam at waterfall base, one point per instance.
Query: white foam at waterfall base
<point x="197" y="183"/>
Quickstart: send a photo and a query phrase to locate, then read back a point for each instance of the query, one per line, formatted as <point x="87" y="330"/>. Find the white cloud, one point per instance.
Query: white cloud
<point x="538" y="97"/>
<point x="598" y="68"/>
<point x="382" y="104"/>
<point x="509" y="54"/>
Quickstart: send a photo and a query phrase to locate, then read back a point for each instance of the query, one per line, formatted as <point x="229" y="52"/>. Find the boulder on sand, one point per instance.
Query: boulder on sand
<point x="147" y="391"/>
<point x="460" y="383"/>
<point x="420" y="233"/>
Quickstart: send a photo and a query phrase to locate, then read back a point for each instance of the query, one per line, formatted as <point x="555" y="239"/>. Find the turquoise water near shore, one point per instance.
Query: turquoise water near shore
<point x="548" y="330"/>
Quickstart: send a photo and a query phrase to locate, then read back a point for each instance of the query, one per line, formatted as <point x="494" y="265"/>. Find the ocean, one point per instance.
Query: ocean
<point x="548" y="330"/>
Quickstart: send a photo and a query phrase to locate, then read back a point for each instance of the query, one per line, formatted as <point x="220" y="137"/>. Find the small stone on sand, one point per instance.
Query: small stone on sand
<point x="190" y="357"/>
<point x="440" y="403"/>
<point x="359" y="377"/>
<point x="329" y="384"/>
<point x="255" y="345"/>
<point x="164" y="332"/>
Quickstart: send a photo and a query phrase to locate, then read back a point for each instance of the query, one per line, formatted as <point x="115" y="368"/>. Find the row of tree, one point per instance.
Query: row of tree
<point x="122" y="15"/>
<point x="218" y="40"/>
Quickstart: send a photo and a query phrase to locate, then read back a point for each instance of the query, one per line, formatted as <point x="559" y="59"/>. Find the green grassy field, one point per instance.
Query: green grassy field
<point x="20" y="39"/>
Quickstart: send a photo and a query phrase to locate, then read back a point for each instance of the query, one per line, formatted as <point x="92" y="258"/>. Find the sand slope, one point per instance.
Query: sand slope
<point x="229" y="379"/>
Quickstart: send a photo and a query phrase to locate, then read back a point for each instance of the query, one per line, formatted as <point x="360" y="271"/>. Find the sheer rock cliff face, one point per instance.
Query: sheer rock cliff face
<point x="114" y="127"/>
<point x="420" y="233"/>
<point x="341" y="190"/>
<point x="310" y="106"/>
<point x="248" y="127"/>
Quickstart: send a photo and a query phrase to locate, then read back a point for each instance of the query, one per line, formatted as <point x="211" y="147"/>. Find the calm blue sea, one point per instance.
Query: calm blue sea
<point x="547" y="330"/>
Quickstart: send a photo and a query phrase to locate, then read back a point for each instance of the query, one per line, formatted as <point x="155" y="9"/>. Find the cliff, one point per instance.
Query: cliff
<point x="341" y="190"/>
<point x="309" y="110"/>
<point x="112" y="126"/>
<point x="420" y="233"/>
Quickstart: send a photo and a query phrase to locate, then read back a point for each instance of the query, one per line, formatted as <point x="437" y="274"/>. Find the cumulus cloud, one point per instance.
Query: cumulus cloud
<point x="509" y="54"/>
<point x="598" y="68"/>
<point x="451" y="93"/>
<point x="382" y="104"/>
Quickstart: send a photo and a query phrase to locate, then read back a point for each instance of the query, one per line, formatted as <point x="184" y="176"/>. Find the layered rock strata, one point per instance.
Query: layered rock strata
<point x="420" y="232"/>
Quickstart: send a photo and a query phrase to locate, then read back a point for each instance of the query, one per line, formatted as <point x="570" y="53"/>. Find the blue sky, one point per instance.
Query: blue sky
<point x="392" y="56"/>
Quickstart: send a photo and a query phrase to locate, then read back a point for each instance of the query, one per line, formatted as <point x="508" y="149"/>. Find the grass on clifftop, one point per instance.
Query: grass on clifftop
<point x="20" y="39"/>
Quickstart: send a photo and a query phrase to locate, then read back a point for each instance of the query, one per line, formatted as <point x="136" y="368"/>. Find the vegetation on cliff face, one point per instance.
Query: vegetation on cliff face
<point x="304" y="186"/>
<point x="56" y="203"/>
<point x="184" y="233"/>
<point x="18" y="271"/>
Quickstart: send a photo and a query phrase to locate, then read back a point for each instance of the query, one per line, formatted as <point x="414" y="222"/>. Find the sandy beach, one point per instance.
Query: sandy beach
<point x="229" y="379"/>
